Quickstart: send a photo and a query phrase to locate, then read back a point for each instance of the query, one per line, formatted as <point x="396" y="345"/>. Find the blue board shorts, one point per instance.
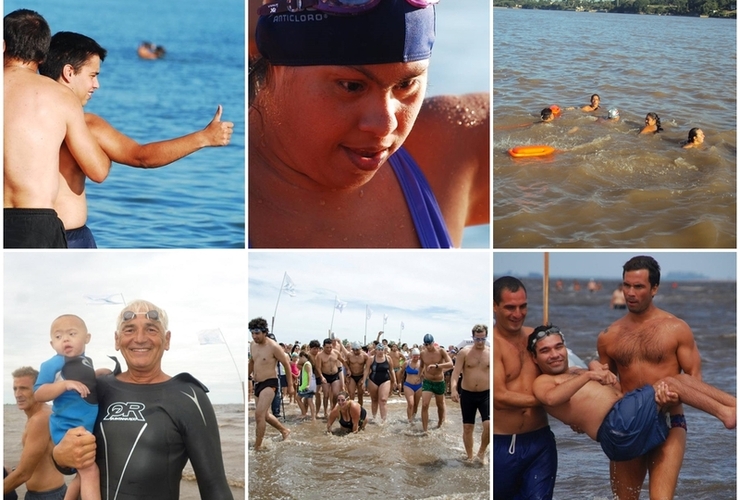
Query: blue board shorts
<point x="524" y="465"/>
<point x="633" y="426"/>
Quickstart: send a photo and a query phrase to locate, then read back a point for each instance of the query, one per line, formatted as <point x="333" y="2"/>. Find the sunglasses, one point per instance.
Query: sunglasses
<point x="542" y="334"/>
<point x="152" y="315"/>
<point x="331" y="6"/>
<point x="479" y="339"/>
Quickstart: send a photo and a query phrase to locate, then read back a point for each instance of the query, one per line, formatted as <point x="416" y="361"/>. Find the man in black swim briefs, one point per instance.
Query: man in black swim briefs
<point x="149" y="423"/>
<point x="474" y="363"/>
<point x="329" y="361"/>
<point x="265" y="354"/>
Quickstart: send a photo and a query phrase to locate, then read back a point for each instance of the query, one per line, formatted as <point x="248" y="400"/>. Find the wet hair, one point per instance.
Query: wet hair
<point x="655" y="117"/>
<point x="26" y="371"/>
<point x="314" y="343"/>
<point x="545" y="114"/>
<point x="692" y="134"/>
<point x="592" y="98"/>
<point x="259" y="324"/>
<point x="644" y="262"/>
<point x="27" y="36"/>
<point x="69" y="48"/>
<point x="506" y="283"/>
<point x="480" y="328"/>
<point x="535" y="336"/>
<point x="259" y="68"/>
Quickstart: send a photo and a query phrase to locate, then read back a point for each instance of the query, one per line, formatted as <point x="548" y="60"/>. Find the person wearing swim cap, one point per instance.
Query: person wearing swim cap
<point x="695" y="140"/>
<point x="344" y="149"/>
<point x="412" y="383"/>
<point x="434" y="362"/>
<point x="613" y="114"/>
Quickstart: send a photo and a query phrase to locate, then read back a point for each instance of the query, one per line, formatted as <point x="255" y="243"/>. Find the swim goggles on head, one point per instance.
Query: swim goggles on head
<point x="331" y="6"/>
<point x="152" y="315"/>
<point x="542" y="334"/>
<point x="256" y="331"/>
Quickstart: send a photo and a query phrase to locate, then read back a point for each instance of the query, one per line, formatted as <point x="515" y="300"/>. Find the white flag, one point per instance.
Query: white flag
<point x="210" y="337"/>
<point x="401" y="325"/>
<point x="368" y="312"/>
<point x="102" y="299"/>
<point x="289" y="286"/>
<point x="385" y="319"/>
<point x="339" y="305"/>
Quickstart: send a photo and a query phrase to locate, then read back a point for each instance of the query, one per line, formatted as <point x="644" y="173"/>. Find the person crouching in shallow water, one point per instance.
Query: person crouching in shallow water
<point x="344" y="151"/>
<point x="652" y="124"/>
<point x="695" y="140"/>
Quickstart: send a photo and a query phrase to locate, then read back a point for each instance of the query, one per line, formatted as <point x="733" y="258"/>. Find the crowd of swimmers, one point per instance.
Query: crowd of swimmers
<point x="652" y="120"/>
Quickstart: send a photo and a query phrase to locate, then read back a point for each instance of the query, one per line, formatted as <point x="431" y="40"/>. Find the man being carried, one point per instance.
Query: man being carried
<point x="474" y="363"/>
<point x="39" y="116"/>
<point x="265" y="354"/>
<point x="627" y="425"/>
<point x="74" y="61"/>
<point x="35" y="467"/>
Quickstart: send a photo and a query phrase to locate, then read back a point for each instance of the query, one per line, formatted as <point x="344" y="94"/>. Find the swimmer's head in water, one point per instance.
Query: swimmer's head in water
<point x="595" y="100"/>
<point x="547" y="115"/>
<point x="696" y="136"/>
<point x="613" y="114"/>
<point x="555" y="110"/>
<point x="381" y="31"/>
<point x="653" y="119"/>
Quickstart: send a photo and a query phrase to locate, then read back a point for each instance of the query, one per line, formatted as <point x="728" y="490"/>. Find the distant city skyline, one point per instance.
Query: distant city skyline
<point x="608" y="265"/>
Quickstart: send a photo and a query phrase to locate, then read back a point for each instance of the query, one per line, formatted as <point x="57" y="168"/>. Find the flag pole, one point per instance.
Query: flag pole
<point x="333" y="310"/>
<point x="364" y="338"/>
<point x="546" y="289"/>
<point x="282" y="285"/>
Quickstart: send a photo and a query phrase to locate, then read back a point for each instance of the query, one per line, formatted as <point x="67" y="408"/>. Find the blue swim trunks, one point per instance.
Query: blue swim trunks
<point x="524" y="465"/>
<point x="633" y="426"/>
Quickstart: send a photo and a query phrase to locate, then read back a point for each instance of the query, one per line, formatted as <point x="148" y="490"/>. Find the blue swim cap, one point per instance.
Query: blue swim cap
<point x="394" y="31"/>
<point x="428" y="339"/>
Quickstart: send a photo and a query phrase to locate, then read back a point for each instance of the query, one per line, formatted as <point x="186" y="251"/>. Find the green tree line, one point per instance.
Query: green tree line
<point x="711" y="8"/>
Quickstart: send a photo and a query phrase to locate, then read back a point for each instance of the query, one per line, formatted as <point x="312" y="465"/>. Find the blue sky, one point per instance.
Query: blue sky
<point x="200" y="290"/>
<point x="608" y="265"/>
<point x="442" y="293"/>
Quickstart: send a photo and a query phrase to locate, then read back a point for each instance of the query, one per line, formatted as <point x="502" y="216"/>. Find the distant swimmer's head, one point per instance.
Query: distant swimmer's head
<point x="26" y="35"/>
<point x="613" y="114"/>
<point x="74" y="60"/>
<point x="595" y="100"/>
<point x="556" y="111"/>
<point x="547" y="115"/>
<point x="346" y="32"/>
<point x="696" y="136"/>
<point x="652" y="119"/>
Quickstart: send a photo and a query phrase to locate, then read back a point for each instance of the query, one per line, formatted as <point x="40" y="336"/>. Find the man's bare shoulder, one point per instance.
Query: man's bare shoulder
<point x="39" y="421"/>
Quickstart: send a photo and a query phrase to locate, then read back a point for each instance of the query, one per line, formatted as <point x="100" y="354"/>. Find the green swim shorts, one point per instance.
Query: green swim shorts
<point x="435" y="387"/>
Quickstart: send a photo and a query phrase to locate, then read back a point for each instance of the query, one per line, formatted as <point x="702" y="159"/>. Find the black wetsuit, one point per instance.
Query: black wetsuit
<point x="146" y="433"/>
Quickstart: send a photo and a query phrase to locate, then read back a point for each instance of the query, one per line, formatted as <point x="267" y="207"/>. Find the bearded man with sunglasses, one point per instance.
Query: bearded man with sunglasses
<point x="149" y="424"/>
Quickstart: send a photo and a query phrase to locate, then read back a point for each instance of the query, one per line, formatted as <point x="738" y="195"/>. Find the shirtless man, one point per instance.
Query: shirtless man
<point x="474" y="363"/>
<point x="434" y="362"/>
<point x="329" y="361"/>
<point x="525" y="458"/>
<point x="396" y="362"/>
<point x="627" y="425"/>
<point x="39" y="116"/>
<point x="617" y="301"/>
<point x="265" y="353"/>
<point x="644" y="346"/>
<point x="35" y="467"/>
<point x="74" y="61"/>
<point x="314" y="347"/>
<point x="356" y="361"/>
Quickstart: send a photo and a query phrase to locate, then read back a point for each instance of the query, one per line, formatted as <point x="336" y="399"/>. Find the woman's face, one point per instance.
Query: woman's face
<point x="337" y="125"/>
<point x="649" y="120"/>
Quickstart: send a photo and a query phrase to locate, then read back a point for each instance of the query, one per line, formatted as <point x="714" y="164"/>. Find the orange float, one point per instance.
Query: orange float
<point x="531" y="151"/>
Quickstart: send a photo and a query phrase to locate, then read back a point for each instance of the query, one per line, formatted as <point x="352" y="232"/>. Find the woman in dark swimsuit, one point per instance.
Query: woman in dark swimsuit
<point x="351" y="414"/>
<point x="412" y="384"/>
<point x="380" y="376"/>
